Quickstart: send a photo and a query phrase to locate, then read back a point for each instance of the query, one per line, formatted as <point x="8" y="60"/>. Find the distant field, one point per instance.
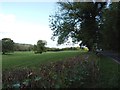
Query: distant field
<point x="29" y="59"/>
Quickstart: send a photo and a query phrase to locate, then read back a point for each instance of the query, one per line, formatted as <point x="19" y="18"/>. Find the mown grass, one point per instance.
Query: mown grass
<point x="29" y="59"/>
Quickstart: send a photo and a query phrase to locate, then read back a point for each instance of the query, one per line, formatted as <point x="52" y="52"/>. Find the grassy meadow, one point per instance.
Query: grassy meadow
<point x="29" y="59"/>
<point x="60" y="69"/>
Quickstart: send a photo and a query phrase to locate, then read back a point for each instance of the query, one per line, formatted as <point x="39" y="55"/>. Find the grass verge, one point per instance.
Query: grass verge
<point x="109" y="73"/>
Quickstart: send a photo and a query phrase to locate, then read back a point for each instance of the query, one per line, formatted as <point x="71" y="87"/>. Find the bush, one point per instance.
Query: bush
<point x="37" y="52"/>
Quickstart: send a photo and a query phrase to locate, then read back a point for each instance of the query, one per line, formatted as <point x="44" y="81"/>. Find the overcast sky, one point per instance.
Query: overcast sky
<point x="27" y="22"/>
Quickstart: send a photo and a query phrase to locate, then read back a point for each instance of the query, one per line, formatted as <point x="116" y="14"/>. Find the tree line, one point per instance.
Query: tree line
<point x="9" y="46"/>
<point x="96" y="24"/>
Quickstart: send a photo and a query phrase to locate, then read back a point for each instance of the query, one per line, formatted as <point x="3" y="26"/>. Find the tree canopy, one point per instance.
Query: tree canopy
<point x="93" y="23"/>
<point x="111" y="27"/>
<point x="78" y="20"/>
<point x="40" y="47"/>
<point x="7" y="45"/>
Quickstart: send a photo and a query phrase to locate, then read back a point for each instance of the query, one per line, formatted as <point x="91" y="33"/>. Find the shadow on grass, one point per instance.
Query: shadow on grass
<point x="8" y="54"/>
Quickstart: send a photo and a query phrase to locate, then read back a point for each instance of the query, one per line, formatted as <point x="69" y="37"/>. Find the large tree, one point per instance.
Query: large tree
<point x="78" y="20"/>
<point x="40" y="47"/>
<point x="7" y="45"/>
<point x="111" y="28"/>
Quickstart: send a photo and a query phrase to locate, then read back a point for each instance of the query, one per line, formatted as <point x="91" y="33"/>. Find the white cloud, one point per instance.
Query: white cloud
<point x="6" y="22"/>
<point x="25" y="32"/>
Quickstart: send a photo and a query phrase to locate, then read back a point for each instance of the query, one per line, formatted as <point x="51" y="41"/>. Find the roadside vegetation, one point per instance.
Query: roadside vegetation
<point x="82" y="69"/>
<point x="109" y="73"/>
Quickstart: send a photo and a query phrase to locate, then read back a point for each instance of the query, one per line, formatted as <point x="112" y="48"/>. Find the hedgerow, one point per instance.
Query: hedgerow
<point x="70" y="73"/>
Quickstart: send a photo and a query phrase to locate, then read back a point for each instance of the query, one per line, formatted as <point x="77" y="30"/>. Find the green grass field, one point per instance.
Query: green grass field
<point x="29" y="59"/>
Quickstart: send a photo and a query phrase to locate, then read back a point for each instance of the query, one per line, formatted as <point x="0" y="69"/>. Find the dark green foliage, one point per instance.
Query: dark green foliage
<point x="40" y="47"/>
<point x="92" y="23"/>
<point x="76" y="20"/>
<point x="35" y="48"/>
<point x="111" y="28"/>
<point x="7" y="45"/>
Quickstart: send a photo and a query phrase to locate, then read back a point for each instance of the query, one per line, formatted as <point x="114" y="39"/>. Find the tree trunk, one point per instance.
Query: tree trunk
<point x="89" y="47"/>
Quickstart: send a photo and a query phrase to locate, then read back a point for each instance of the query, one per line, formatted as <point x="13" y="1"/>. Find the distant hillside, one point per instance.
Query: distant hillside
<point x="23" y="47"/>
